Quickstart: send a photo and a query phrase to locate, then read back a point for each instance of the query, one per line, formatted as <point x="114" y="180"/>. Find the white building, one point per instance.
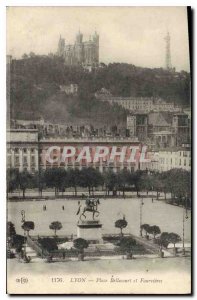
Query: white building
<point x="140" y="104"/>
<point x="26" y="153"/>
<point x="71" y="89"/>
<point x="168" y="159"/>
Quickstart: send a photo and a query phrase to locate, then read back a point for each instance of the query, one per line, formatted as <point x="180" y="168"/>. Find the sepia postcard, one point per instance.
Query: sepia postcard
<point x="98" y="150"/>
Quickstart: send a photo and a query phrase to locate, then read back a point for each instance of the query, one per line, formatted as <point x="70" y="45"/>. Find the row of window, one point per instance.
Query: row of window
<point x="24" y="150"/>
<point x="176" y="162"/>
<point x="17" y="161"/>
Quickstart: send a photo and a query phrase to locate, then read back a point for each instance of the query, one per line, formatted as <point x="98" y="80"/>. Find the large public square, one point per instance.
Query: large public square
<point x="168" y="217"/>
<point x="169" y="270"/>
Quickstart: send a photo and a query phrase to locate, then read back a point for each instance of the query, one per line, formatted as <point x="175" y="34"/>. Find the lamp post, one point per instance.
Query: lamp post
<point x="185" y="217"/>
<point x="152" y="194"/>
<point x="23" y="221"/>
<point x="141" y="204"/>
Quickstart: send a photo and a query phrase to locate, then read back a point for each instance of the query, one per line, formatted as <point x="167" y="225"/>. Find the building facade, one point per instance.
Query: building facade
<point x="23" y="149"/>
<point x="71" y="89"/>
<point x="85" y="53"/>
<point x="161" y="129"/>
<point x="26" y="152"/>
<point x="171" y="158"/>
<point x="177" y="158"/>
<point x="138" y="104"/>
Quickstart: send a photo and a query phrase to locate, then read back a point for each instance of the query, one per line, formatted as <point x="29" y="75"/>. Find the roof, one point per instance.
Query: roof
<point x="159" y="119"/>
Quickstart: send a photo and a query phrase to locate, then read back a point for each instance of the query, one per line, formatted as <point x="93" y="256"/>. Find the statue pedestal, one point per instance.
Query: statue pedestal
<point x="90" y="231"/>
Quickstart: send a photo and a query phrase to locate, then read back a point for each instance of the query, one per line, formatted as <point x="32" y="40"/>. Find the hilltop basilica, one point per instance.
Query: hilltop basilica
<point x="85" y="53"/>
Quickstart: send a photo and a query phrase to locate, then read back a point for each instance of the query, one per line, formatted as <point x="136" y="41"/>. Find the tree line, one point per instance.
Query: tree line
<point x="177" y="182"/>
<point x="35" y="81"/>
<point x="121" y="78"/>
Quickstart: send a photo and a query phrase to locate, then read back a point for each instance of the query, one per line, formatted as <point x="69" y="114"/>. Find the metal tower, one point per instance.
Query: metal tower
<point x="168" y="52"/>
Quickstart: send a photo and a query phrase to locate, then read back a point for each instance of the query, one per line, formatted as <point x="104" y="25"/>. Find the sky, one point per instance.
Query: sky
<point x="132" y="35"/>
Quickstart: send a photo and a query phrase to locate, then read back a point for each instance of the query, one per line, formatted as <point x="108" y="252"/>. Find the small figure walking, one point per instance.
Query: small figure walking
<point x="62" y="207"/>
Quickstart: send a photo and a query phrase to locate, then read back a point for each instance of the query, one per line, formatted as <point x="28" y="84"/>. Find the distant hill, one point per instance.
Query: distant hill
<point x="35" y="81"/>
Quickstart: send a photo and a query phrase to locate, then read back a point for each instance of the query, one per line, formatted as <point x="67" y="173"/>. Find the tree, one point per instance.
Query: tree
<point x="167" y="185"/>
<point x="174" y="238"/>
<point x="25" y="181"/>
<point x="12" y="180"/>
<point x="48" y="244"/>
<point x="154" y="230"/>
<point x="18" y="241"/>
<point x="146" y="228"/>
<point x="40" y="181"/>
<point x="146" y="182"/>
<point x="164" y="239"/>
<point x="10" y="229"/>
<point x="55" y="226"/>
<point x="80" y="244"/>
<point x="74" y="177"/>
<point x="123" y="179"/>
<point x="136" y="179"/>
<point x="90" y="178"/>
<point x="27" y="226"/>
<point x="55" y="178"/>
<point x="111" y="182"/>
<point x="126" y="245"/>
<point x="179" y="184"/>
<point x="157" y="184"/>
<point x="32" y="54"/>
<point x="121" y="223"/>
<point x="24" y="56"/>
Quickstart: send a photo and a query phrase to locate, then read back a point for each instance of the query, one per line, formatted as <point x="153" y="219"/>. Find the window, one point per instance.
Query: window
<point x="185" y="162"/>
<point x="33" y="170"/>
<point x="9" y="160"/>
<point x="25" y="160"/>
<point x="32" y="150"/>
<point x="33" y="160"/>
<point x="16" y="160"/>
<point x="180" y="162"/>
<point x="185" y="153"/>
<point x="25" y="150"/>
<point x="16" y="150"/>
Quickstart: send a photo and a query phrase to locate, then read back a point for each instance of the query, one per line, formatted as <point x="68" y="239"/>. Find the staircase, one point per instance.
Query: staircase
<point x="32" y="254"/>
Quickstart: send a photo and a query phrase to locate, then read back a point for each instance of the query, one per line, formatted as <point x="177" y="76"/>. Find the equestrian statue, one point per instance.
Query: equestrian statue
<point x="91" y="205"/>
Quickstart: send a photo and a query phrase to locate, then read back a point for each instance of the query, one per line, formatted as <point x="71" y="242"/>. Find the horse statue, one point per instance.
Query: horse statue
<point x="91" y="205"/>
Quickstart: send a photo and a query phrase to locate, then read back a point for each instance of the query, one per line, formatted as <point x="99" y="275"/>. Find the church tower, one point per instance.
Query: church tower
<point x="95" y="39"/>
<point x="61" y="47"/>
<point x="79" y="48"/>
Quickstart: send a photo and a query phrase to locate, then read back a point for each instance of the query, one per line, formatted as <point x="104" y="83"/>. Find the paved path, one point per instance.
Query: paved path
<point x="150" y="246"/>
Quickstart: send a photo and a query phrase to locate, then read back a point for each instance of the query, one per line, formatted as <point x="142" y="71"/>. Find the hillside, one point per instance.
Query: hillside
<point x="34" y="89"/>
